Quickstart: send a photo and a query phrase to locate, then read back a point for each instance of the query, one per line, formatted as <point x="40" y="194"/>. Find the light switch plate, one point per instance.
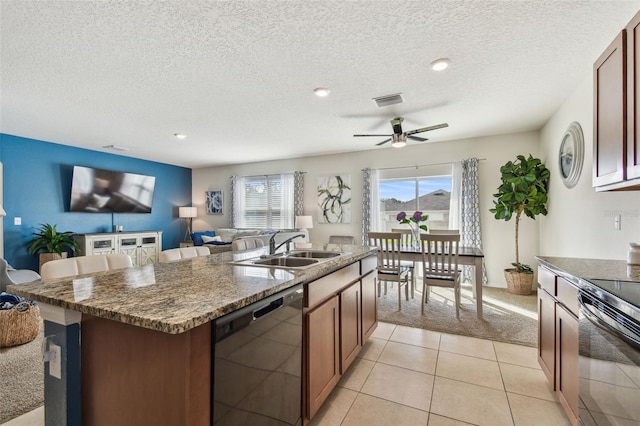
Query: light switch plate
<point x="17" y="221"/>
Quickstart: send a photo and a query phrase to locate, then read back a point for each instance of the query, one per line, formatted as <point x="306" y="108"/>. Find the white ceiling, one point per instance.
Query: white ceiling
<point x="237" y="76"/>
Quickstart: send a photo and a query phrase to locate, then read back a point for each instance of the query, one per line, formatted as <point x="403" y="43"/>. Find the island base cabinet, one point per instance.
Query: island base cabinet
<point x="369" y="306"/>
<point x="350" y="333"/>
<point x="134" y="376"/>
<point x="323" y="349"/>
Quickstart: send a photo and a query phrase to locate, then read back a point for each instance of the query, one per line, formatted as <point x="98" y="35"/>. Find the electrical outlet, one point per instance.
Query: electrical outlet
<point x="55" y="363"/>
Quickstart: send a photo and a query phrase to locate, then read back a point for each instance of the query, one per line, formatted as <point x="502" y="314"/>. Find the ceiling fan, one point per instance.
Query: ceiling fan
<point x="399" y="137"/>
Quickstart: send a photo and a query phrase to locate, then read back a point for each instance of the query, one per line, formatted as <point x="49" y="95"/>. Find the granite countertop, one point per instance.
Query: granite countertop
<point x="178" y="296"/>
<point x="574" y="268"/>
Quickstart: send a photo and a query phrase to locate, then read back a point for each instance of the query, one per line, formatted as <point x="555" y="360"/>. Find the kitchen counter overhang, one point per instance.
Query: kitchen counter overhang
<point x="178" y="296"/>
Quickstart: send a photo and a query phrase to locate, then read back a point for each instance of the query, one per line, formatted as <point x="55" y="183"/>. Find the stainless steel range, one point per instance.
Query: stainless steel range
<point x="609" y="338"/>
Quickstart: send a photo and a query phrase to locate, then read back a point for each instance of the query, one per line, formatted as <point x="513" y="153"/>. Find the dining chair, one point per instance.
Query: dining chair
<point x="389" y="267"/>
<point x="407" y="241"/>
<point x="342" y="239"/>
<point x="444" y="231"/>
<point x="440" y="265"/>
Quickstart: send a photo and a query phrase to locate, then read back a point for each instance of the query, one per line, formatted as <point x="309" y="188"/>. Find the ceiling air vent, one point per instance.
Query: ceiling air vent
<point x="389" y="100"/>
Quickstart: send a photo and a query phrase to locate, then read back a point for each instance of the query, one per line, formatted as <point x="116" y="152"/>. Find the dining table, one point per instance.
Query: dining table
<point x="472" y="256"/>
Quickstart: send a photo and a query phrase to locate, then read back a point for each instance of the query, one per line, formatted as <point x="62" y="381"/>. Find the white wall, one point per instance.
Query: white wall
<point x="497" y="150"/>
<point x="581" y="221"/>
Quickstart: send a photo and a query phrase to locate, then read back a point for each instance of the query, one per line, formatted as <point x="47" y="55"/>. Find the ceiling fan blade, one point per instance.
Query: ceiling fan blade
<point x="417" y="138"/>
<point x="383" y="142"/>
<point x="378" y="136"/>
<point x="426" y="129"/>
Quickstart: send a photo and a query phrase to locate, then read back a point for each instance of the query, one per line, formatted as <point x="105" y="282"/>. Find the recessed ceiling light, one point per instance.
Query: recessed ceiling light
<point x="440" y="64"/>
<point x="116" y="147"/>
<point x="180" y="135"/>
<point x="321" y="91"/>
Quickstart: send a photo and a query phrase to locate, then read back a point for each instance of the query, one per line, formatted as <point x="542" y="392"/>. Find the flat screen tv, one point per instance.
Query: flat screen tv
<point x="107" y="191"/>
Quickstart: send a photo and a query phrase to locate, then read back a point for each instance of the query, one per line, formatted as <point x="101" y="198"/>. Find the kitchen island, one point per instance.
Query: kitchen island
<point x="137" y="344"/>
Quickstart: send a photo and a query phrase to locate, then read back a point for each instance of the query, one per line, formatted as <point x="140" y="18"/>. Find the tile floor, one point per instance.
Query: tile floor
<point x="410" y="376"/>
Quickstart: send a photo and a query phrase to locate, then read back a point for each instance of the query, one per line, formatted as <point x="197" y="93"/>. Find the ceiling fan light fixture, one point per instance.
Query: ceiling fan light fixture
<point x="440" y="64"/>
<point x="321" y="91"/>
<point x="399" y="141"/>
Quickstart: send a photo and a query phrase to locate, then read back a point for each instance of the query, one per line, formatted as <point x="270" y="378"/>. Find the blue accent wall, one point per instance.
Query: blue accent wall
<point x="37" y="188"/>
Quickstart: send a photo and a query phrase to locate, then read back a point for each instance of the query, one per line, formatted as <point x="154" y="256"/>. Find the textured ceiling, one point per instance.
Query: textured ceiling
<point x="237" y="76"/>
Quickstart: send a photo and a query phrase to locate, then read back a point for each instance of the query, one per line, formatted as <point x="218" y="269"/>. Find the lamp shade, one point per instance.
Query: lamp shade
<point x="304" y="222"/>
<point x="2" y="212"/>
<point x="188" y="212"/>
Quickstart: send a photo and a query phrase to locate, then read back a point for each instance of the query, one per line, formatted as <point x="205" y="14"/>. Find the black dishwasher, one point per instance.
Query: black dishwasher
<point x="258" y="362"/>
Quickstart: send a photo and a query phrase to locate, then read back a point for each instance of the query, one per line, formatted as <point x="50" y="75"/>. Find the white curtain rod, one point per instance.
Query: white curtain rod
<point x="423" y="165"/>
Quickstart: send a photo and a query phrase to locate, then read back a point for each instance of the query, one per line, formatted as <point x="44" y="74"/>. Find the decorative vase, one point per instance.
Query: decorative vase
<point x="415" y="238"/>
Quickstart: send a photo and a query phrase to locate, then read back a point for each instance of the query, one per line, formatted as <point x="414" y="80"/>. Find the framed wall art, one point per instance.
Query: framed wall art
<point x="334" y="199"/>
<point x="214" y="202"/>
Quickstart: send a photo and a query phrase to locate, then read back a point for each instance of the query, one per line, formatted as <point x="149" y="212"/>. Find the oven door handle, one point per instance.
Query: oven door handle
<point x="598" y="321"/>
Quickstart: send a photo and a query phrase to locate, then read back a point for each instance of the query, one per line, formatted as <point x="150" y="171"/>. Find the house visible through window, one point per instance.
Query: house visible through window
<point x="428" y="193"/>
<point x="265" y="202"/>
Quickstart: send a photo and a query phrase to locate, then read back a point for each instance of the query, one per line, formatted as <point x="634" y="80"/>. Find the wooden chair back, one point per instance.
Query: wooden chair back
<point x="388" y="244"/>
<point x="440" y="255"/>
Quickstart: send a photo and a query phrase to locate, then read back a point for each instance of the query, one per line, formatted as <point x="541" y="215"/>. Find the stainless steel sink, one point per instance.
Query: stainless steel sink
<point x="315" y="254"/>
<point x="295" y="262"/>
<point x="299" y="259"/>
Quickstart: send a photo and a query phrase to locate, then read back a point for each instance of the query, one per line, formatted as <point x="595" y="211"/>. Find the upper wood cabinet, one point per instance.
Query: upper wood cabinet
<point x="616" y="141"/>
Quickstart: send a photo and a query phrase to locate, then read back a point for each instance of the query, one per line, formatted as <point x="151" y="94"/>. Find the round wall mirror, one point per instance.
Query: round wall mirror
<point x="571" y="155"/>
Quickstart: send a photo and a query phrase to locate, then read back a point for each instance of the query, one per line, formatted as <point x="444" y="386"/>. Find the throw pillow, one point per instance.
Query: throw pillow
<point x="207" y="239"/>
<point x="197" y="237"/>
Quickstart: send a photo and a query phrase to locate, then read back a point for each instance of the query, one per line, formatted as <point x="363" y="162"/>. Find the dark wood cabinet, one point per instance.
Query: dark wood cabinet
<point x="616" y="137"/>
<point x="323" y="353"/>
<point x="633" y="98"/>
<point x="558" y="338"/>
<point x="566" y="384"/>
<point x="350" y="325"/>
<point x="547" y="335"/>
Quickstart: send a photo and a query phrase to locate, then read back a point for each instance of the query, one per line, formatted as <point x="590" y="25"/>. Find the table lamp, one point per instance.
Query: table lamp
<point x="304" y="222"/>
<point x="188" y="213"/>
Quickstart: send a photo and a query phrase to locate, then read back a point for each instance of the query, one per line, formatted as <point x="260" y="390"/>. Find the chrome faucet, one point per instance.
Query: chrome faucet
<point x="272" y="242"/>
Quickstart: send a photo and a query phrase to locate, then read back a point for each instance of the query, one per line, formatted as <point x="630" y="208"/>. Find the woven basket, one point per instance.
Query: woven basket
<point x="518" y="283"/>
<point x="19" y="325"/>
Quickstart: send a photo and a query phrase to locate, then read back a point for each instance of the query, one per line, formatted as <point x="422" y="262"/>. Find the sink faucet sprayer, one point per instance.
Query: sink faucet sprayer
<point x="272" y="242"/>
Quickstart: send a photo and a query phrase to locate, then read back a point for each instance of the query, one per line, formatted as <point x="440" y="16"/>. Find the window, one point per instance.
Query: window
<point x="264" y="202"/>
<point x="430" y="194"/>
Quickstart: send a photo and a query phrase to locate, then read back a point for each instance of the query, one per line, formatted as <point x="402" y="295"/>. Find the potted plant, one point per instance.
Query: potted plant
<point x="523" y="190"/>
<point x="51" y="243"/>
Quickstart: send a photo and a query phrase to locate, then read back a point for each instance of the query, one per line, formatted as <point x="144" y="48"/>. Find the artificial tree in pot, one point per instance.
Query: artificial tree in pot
<point x="523" y="190"/>
<point x="51" y="243"/>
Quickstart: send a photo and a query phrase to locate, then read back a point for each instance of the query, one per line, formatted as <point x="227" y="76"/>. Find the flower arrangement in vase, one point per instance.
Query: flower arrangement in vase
<point x="414" y="224"/>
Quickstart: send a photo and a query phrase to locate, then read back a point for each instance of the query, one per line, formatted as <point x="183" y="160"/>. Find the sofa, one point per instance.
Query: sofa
<point x="221" y="238"/>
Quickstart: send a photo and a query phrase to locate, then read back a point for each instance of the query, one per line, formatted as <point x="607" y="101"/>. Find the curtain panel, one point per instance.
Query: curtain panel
<point x="470" y="234"/>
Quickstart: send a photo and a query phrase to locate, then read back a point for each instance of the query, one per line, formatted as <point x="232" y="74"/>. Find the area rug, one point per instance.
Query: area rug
<point x="506" y="318"/>
<point x="21" y="379"/>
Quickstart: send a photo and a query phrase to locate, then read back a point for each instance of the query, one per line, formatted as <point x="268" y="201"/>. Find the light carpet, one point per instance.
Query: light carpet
<point x="506" y="318"/>
<point x="21" y="379"/>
